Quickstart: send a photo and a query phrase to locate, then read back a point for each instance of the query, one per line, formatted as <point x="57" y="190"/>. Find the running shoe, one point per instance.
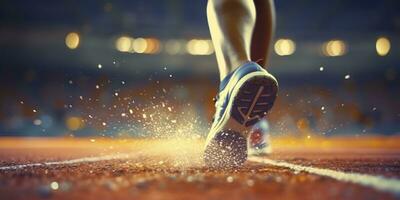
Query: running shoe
<point x="259" y="141"/>
<point x="245" y="96"/>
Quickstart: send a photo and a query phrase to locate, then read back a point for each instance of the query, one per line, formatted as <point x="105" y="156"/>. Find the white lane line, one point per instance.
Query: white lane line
<point x="73" y="161"/>
<point x="377" y="182"/>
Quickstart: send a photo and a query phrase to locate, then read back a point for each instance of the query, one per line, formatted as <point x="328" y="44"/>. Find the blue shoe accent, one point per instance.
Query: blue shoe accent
<point x="240" y="72"/>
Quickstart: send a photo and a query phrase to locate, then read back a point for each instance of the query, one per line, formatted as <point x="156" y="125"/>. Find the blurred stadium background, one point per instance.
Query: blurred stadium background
<point x="111" y="68"/>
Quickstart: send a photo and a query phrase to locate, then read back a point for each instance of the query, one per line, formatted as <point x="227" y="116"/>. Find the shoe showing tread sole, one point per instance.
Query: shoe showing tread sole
<point x="228" y="149"/>
<point x="254" y="99"/>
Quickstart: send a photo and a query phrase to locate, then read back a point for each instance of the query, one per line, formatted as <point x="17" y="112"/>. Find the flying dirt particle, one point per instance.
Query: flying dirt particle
<point x="104" y="124"/>
<point x="92" y="140"/>
<point x="321" y="69"/>
<point x="97" y="86"/>
<point x="130" y="111"/>
<point x="123" y="114"/>
<point x="37" y="122"/>
<point x="99" y="66"/>
<point x="229" y="179"/>
<point x="90" y="116"/>
<point x="54" y="185"/>
<point x="190" y="179"/>
<point x="34" y="110"/>
<point x="347" y="76"/>
<point x="144" y="116"/>
<point x="116" y="94"/>
<point x="322" y="108"/>
<point x="250" y="182"/>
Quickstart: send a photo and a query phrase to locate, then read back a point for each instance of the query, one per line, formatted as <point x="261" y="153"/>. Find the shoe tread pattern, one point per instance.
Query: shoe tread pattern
<point x="254" y="100"/>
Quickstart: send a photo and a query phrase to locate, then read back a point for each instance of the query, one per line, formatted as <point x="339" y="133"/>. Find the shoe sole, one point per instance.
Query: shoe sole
<point x="252" y="101"/>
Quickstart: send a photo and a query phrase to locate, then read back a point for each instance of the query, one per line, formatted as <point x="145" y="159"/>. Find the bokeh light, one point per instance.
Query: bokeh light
<point x="153" y="46"/>
<point x="284" y="47"/>
<point x="74" y="123"/>
<point x="139" y="45"/>
<point x="303" y="126"/>
<point x="382" y="46"/>
<point x="200" y="47"/>
<point x="334" y="48"/>
<point x="173" y="47"/>
<point x="72" y="40"/>
<point x="123" y="44"/>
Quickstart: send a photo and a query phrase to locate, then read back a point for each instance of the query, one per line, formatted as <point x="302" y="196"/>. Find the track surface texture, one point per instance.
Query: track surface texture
<point x="44" y="168"/>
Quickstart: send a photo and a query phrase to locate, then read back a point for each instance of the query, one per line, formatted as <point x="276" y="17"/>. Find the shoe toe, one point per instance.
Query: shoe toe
<point x="228" y="149"/>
